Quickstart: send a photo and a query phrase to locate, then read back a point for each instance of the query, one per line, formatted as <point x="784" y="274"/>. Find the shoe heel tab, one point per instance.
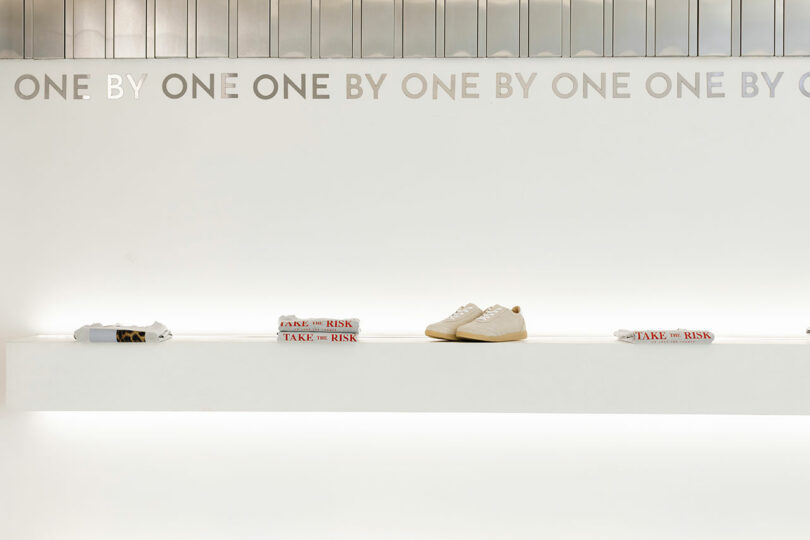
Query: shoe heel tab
<point x="516" y="309"/>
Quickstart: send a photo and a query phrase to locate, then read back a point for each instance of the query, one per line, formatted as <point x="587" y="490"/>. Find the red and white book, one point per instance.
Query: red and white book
<point x="291" y="323"/>
<point x="665" y="336"/>
<point x="316" y="337"/>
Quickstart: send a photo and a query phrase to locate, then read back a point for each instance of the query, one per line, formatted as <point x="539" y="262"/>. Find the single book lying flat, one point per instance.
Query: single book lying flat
<point x="316" y="337"/>
<point x="664" y="336"/>
<point x="291" y="323"/>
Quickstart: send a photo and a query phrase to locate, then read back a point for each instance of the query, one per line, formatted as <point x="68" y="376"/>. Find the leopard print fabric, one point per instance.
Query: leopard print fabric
<point x="129" y="336"/>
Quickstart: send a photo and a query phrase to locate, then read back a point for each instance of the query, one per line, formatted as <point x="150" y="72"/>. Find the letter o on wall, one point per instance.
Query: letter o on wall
<point x="18" y="87"/>
<point x="183" y="88"/>
<point x="261" y="78"/>
<point x="802" y="86"/>
<point x="665" y="78"/>
<point x="422" y="81"/>
<point x="555" y="85"/>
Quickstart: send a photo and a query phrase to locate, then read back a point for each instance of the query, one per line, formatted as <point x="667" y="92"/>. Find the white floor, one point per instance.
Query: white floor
<point x="402" y="476"/>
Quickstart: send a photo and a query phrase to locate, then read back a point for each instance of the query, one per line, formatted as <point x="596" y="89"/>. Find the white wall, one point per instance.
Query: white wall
<point x="592" y="214"/>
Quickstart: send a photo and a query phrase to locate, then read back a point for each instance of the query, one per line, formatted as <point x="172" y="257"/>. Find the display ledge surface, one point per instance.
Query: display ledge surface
<point x="539" y="375"/>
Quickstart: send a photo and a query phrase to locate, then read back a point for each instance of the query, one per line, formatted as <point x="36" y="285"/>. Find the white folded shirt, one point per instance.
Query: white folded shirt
<point x="119" y="333"/>
<point x="664" y="336"/>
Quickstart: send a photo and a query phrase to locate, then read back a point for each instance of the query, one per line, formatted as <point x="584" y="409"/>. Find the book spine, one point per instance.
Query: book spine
<point x="669" y="336"/>
<point x="351" y="326"/>
<point x="316" y="337"/>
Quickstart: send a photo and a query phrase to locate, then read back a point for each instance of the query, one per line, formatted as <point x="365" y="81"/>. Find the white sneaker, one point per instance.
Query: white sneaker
<point x="446" y="328"/>
<point x="497" y="323"/>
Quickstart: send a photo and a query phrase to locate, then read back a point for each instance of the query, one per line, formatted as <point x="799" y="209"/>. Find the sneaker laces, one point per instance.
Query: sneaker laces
<point x="489" y="313"/>
<point x="463" y="310"/>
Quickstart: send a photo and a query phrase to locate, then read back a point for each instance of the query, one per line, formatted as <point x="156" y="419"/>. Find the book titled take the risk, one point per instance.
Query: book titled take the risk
<point x="316" y="337"/>
<point x="291" y="323"/>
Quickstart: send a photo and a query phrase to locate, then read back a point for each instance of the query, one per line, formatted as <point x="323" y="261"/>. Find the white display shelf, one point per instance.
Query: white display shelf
<point x="543" y="375"/>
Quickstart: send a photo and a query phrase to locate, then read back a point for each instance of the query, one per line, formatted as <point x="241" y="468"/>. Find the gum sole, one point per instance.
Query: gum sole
<point x="493" y="339"/>
<point x="438" y="335"/>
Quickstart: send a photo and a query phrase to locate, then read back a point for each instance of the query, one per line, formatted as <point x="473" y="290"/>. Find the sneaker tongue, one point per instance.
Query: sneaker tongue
<point x="472" y="306"/>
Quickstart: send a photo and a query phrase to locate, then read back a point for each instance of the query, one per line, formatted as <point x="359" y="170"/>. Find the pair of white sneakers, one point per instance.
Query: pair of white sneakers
<point x="496" y="323"/>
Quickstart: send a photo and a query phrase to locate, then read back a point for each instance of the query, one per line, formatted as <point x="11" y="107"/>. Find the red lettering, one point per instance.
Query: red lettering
<point x="344" y="337"/>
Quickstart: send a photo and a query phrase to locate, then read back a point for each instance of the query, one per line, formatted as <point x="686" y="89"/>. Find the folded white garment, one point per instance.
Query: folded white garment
<point x="664" y="336"/>
<point x="317" y="337"/>
<point x="119" y="333"/>
<point x="291" y="323"/>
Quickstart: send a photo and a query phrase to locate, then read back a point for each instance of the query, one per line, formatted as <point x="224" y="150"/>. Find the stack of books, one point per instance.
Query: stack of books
<point x="291" y="329"/>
